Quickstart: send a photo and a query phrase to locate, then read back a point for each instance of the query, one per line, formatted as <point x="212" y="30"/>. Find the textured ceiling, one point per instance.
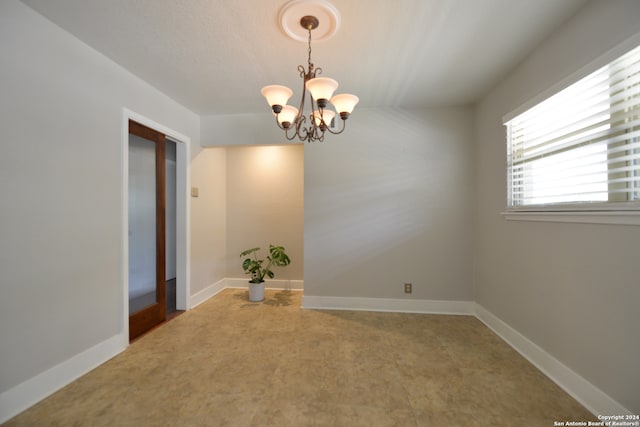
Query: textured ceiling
<point x="213" y="56"/>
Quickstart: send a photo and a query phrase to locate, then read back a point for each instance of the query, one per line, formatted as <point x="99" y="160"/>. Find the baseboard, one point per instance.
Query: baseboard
<point x="287" y="285"/>
<point x="591" y="397"/>
<point x="30" y="392"/>
<point x="387" y="304"/>
<point x="206" y="293"/>
<point x="213" y="289"/>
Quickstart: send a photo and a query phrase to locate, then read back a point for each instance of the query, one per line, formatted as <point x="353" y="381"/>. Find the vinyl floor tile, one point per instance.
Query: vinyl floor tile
<point x="231" y="362"/>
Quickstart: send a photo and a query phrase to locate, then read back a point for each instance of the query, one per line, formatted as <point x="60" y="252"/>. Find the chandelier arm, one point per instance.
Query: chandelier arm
<point x="344" y="124"/>
<point x="307" y="134"/>
<point x="300" y="116"/>
<point x="318" y="131"/>
<point x="278" y="123"/>
<point x="286" y="130"/>
<point x="312" y="103"/>
<point x="300" y="121"/>
<point x="292" y="137"/>
<point x="312" y="119"/>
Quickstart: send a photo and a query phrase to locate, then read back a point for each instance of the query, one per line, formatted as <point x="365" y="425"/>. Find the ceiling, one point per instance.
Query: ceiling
<point x="213" y="56"/>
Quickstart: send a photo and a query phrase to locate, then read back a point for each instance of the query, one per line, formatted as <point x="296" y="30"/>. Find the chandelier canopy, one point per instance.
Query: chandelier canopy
<point x="320" y="90"/>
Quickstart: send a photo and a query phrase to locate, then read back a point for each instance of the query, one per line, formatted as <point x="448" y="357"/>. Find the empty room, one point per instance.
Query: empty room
<point x="320" y="213"/>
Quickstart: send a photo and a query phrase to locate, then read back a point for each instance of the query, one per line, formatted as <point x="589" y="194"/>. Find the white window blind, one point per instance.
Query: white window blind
<point x="580" y="147"/>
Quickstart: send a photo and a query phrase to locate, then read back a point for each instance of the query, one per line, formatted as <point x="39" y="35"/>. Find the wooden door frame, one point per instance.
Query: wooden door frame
<point x="183" y="184"/>
<point x="148" y="317"/>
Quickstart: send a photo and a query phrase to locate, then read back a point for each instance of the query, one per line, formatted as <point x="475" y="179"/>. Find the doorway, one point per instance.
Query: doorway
<point x="145" y="282"/>
<point x="147" y="228"/>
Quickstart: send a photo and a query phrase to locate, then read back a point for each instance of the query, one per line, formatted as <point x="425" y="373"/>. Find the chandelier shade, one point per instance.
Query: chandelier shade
<point x="287" y="115"/>
<point x="344" y="103"/>
<point x="326" y="116"/>
<point x="321" y="88"/>
<point x="276" y="94"/>
<point x="319" y="92"/>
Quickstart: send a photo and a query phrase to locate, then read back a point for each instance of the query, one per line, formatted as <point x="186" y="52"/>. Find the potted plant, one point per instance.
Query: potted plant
<point x="254" y="266"/>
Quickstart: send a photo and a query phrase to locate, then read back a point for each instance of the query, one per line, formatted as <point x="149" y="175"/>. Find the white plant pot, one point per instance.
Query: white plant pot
<point x="256" y="291"/>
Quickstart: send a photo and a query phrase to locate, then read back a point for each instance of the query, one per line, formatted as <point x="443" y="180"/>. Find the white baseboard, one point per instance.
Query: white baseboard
<point x="287" y="285"/>
<point x="386" y="304"/>
<point x="206" y="293"/>
<point x="591" y="397"/>
<point x="213" y="289"/>
<point x="30" y="392"/>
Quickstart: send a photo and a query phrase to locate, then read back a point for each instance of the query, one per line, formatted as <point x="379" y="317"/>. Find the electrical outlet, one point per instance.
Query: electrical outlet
<point x="407" y="288"/>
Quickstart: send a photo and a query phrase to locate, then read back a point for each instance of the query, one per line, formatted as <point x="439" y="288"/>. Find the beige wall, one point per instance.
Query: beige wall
<point x="208" y="218"/>
<point x="572" y="289"/>
<point x="265" y="204"/>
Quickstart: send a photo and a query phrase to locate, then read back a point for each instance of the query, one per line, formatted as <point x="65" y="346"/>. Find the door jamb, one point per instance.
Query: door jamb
<point x="183" y="227"/>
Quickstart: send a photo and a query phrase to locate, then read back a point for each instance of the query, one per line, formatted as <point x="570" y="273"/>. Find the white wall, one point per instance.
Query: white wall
<point x="60" y="180"/>
<point x="572" y="289"/>
<point x="265" y="205"/>
<point x="241" y="129"/>
<point x="376" y="211"/>
<point x="388" y="202"/>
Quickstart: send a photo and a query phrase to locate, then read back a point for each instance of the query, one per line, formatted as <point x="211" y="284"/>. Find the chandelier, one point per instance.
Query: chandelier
<point x="320" y="90"/>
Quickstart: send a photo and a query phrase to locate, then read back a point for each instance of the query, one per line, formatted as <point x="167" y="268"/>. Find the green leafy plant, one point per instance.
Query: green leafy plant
<point x="252" y="265"/>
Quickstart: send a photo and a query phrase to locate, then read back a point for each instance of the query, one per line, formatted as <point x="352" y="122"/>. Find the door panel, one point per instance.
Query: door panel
<point x="142" y="223"/>
<point x="147" y="300"/>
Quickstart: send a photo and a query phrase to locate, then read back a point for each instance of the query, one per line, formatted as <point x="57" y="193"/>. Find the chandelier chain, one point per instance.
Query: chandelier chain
<point x="309" y="59"/>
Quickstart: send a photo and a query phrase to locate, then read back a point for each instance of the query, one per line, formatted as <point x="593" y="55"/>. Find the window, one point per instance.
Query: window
<point x="580" y="148"/>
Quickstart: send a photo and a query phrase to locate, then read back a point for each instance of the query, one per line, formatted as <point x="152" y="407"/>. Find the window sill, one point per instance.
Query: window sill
<point x="584" y="217"/>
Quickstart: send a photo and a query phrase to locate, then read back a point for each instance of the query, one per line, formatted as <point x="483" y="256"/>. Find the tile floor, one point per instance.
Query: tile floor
<point x="230" y="362"/>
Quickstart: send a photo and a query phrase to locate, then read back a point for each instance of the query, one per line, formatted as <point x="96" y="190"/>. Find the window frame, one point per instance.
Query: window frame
<point x="624" y="213"/>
